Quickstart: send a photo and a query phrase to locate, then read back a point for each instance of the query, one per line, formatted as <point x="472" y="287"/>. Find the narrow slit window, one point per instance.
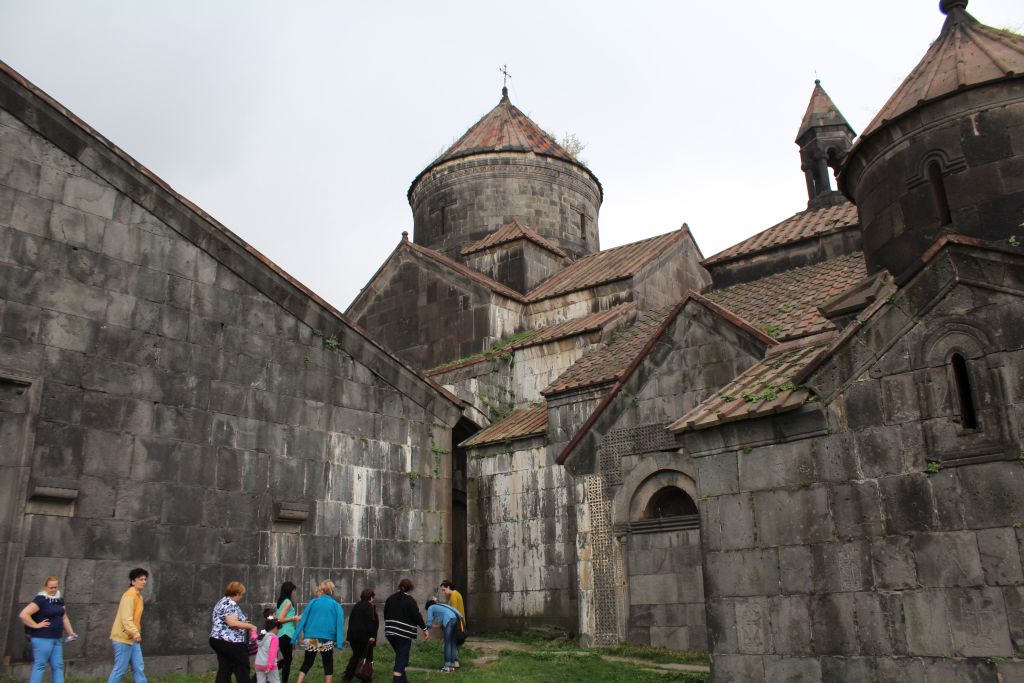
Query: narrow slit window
<point x="444" y="219"/>
<point x="939" y="192"/>
<point x="583" y="225"/>
<point x="968" y="416"/>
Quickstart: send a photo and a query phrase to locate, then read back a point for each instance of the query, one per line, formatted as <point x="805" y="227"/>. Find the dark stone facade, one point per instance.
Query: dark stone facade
<point x="875" y="535"/>
<point x="170" y="400"/>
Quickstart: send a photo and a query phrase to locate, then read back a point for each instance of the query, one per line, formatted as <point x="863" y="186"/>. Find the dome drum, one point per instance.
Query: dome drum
<point x="463" y="200"/>
<point x="954" y="165"/>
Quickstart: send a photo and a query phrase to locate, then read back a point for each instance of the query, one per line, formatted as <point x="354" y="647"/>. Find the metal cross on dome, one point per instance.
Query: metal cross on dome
<point x="505" y="75"/>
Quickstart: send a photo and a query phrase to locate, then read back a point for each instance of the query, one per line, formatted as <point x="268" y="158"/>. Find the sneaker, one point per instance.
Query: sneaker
<point x="446" y="669"/>
<point x="455" y="665"/>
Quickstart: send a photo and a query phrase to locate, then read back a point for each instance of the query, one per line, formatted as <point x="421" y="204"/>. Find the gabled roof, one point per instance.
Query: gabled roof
<point x="786" y="304"/>
<point x="510" y="232"/>
<point x="800" y="226"/>
<point x="569" y="328"/>
<point x="605" y="363"/>
<point x="78" y="140"/>
<point x="476" y="275"/>
<point x="607" y="266"/>
<point x="523" y="422"/>
<point x="821" y="111"/>
<point x="967" y="53"/>
<point x="767" y="387"/>
<point x="649" y="343"/>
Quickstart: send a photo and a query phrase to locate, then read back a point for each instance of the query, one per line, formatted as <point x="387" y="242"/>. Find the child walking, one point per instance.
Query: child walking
<point x="266" y="655"/>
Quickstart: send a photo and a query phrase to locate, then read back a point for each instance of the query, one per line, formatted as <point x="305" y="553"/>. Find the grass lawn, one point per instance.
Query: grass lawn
<point x="556" y="660"/>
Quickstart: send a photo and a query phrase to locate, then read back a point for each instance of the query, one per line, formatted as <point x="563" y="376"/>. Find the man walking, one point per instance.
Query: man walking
<point x="126" y="633"/>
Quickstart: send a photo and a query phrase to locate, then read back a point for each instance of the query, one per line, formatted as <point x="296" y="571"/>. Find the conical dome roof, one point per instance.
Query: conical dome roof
<point x="505" y="129"/>
<point x="821" y="111"/>
<point x="967" y="53"/>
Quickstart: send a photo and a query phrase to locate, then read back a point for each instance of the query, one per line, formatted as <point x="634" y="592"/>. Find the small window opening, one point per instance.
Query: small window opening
<point x="444" y="219"/>
<point x="583" y="225"/>
<point x="670" y="501"/>
<point x="935" y="179"/>
<point x="968" y="417"/>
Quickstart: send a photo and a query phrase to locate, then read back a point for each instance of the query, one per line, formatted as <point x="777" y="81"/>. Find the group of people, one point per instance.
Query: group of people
<point x="234" y="639"/>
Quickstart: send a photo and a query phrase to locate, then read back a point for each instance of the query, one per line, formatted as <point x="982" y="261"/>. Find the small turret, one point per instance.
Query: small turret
<point x="825" y="137"/>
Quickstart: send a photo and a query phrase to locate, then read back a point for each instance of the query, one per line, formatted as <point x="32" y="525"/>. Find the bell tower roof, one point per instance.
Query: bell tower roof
<point x="821" y="112"/>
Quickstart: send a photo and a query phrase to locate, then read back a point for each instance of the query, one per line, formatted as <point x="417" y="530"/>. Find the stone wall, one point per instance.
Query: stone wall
<point x="182" y="408"/>
<point x="877" y="538"/>
<point x="428" y="314"/>
<point x="521" y="265"/>
<point x="522" y="538"/>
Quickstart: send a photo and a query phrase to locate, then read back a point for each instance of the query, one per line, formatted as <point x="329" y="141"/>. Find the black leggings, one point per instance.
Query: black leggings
<point x="326" y="657"/>
<point x="232" y="658"/>
<point x="285" y="643"/>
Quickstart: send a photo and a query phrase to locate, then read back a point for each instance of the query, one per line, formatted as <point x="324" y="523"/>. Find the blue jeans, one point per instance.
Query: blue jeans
<point x="125" y="654"/>
<point x="451" y="649"/>
<point x="47" y="650"/>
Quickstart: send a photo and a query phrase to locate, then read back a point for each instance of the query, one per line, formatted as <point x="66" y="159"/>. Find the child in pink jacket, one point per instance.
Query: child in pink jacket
<point x="266" y="655"/>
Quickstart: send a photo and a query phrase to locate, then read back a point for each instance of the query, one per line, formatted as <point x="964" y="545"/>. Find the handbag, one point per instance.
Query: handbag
<point x="364" y="671"/>
<point x="460" y="633"/>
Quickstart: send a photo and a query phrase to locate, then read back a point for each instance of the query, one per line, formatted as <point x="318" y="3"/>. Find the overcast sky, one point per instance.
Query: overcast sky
<point x="299" y="125"/>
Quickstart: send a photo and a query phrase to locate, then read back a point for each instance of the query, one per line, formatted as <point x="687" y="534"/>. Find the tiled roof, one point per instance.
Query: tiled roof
<point x="511" y="232"/>
<point x="821" y="111"/>
<point x="765" y="388"/>
<point x="965" y="54"/>
<point x="562" y="330"/>
<point x="785" y="304"/>
<point x="491" y="284"/>
<point x="523" y="422"/>
<point x="505" y="129"/>
<point x="606" y="266"/>
<point x="809" y="223"/>
<point x="606" y="363"/>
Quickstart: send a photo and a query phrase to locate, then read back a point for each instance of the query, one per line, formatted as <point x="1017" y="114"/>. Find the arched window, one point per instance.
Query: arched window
<point x="670" y="502"/>
<point x="962" y="378"/>
<point x="938" y="185"/>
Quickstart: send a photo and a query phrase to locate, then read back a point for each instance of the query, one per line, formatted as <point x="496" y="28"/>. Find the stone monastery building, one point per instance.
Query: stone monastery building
<point x="804" y="454"/>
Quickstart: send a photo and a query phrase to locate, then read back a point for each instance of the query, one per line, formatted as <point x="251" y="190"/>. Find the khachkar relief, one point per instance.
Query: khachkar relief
<point x="603" y="562"/>
<point x="850" y="576"/>
<point x="752" y="626"/>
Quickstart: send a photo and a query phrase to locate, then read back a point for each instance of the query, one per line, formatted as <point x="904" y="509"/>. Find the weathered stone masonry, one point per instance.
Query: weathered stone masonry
<point x="172" y="400"/>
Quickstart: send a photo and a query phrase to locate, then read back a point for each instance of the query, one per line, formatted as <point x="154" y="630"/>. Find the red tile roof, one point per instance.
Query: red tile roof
<point x="504" y="129"/>
<point x="606" y="266"/>
<point x="543" y="335"/>
<point x="785" y="304"/>
<point x="523" y="422"/>
<point x="809" y="223"/>
<point x="966" y="53"/>
<point x="605" y="363"/>
<point x="763" y="389"/>
<point x="511" y="232"/>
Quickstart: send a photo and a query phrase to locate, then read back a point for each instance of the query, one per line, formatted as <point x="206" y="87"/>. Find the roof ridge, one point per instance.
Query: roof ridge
<point x="514" y="230"/>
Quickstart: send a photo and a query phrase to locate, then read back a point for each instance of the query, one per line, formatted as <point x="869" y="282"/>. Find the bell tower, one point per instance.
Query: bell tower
<point x="824" y="138"/>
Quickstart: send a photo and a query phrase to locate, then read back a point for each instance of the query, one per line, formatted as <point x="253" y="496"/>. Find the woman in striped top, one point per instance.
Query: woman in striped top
<point x="402" y="622"/>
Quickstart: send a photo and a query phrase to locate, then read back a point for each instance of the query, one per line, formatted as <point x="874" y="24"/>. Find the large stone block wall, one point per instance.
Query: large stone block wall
<point x="182" y="407"/>
<point x="878" y="539"/>
<point x="522" y="538"/>
<point x="521" y="265"/>
<point x="479" y="193"/>
<point x="428" y="317"/>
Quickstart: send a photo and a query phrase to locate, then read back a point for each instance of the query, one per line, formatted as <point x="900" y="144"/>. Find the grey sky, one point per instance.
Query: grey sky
<point x="300" y="125"/>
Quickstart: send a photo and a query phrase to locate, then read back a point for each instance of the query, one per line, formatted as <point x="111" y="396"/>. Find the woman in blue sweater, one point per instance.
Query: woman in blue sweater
<point x="323" y="626"/>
